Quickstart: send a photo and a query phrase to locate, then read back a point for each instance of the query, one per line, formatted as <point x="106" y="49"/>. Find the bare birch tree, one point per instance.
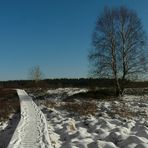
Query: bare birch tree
<point x="36" y="74"/>
<point x="118" y="41"/>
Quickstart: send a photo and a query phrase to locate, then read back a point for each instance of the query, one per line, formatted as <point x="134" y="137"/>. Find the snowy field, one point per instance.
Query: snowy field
<point x="116" y="124"/>
<point x="78" y="124"/>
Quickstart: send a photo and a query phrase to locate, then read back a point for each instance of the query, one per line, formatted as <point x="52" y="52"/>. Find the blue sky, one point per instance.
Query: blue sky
<point x="54" y="34"/>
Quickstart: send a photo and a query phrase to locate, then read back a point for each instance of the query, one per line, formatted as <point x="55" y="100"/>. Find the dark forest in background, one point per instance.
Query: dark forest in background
<point x="82" y="82"/>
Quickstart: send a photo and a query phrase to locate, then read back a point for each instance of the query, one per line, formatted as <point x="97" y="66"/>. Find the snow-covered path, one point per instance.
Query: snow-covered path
<point x="32" y="129"/>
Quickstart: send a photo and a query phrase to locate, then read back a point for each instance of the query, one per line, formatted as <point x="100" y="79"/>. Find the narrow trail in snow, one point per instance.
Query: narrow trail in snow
<point x="32" y="129"/>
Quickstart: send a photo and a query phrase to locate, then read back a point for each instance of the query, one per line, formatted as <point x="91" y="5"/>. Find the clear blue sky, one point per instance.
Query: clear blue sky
<point x="54" y="34"/>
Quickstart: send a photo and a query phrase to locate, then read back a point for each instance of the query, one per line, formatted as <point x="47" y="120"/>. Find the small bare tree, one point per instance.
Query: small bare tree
<point x="36" y="74"/>
<point x="118" y="41"/>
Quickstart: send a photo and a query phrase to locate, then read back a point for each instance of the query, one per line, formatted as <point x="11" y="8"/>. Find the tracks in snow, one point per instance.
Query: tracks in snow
<point x="32" y="129"/>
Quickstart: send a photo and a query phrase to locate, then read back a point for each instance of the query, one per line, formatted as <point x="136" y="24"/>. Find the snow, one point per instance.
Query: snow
<point x="31" y="131"/>
<point x="69" y="91"/>
<point x="103" y="130"/>
<point x="58" y="128"/>
<point x="61" y="93"/>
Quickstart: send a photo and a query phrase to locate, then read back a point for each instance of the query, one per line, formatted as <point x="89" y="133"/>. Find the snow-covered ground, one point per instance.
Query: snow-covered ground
<point x="31" y="131"/>
<point x="117" y="124"/>
<point x="68" y="91"/>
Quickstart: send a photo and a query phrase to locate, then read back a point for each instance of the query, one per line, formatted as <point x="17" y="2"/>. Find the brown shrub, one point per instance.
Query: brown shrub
<point x="51" y="104"/>
<point x="83" y="108"/>
<point x="9" y="103"/>
<point x="123" y="111"/>
<point x="100" y="94"/>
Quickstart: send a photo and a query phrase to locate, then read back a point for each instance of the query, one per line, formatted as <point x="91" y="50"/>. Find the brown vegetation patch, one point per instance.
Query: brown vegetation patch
<point x="9" y="103"/>
<point x="122" y="110"/>
<point x="83" y="108"/>
<point x="80" y="108"/>
<point x="51" y="104"/>
<point x="101" y="94"/>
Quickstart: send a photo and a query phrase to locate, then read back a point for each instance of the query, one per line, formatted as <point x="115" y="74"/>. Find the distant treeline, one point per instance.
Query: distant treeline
<point x="82" y="82"/>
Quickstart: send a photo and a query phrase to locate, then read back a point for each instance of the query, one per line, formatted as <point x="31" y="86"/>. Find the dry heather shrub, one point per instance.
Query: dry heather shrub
<point x="51" y="104"/>
<point x="4" y="111"/>
<point x="123" y="111"/>
<point x="83" y="108"/>
<point x="9" y="103"/>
